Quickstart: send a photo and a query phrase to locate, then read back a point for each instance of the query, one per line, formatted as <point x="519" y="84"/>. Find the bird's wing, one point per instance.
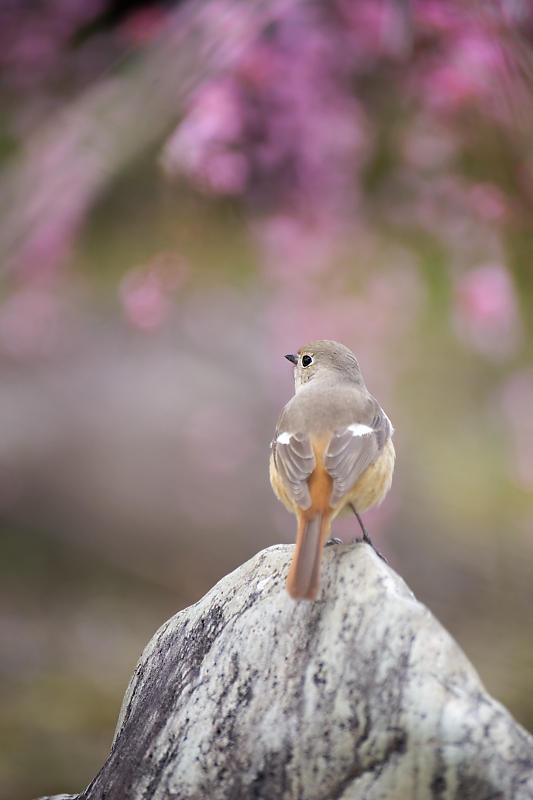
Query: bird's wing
<point x="352" y="449"/>
<point x="295" y="461"/>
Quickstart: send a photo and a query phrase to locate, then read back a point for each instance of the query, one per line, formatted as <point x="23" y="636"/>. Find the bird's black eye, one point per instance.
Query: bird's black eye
<point x="306" y="361"/>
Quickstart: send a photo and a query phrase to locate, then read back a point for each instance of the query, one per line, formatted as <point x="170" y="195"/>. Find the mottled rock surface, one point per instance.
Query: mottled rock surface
<point x="360" y="695"/>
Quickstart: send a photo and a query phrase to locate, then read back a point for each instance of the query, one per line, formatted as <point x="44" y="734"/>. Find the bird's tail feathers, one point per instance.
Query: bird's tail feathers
<point x="304" y="574"/>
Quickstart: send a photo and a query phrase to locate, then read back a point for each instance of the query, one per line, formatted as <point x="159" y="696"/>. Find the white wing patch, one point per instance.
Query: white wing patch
<point x="284" y="438"/>
<point x="358" y="429"/>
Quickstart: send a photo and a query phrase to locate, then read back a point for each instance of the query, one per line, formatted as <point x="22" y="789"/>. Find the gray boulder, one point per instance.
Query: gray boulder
<point x="360" y="695"/>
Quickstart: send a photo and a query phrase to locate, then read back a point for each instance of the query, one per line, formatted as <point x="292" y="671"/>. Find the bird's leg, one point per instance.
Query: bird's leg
<point x="366" y="538"/>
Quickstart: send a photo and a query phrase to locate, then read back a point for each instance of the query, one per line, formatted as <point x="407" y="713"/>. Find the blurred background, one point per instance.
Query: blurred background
<point x="188" y="192"/>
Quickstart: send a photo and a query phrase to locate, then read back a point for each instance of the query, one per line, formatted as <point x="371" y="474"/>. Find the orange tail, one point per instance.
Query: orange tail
<point x="304" y="574"/>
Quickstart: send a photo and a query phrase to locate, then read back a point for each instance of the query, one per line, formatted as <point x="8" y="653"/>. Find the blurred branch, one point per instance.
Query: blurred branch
<point x="359" y="694"/>
<point x="63" y="166"/>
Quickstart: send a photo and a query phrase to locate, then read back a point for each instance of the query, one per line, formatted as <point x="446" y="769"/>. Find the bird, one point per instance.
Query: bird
<point x="332" y="451"/>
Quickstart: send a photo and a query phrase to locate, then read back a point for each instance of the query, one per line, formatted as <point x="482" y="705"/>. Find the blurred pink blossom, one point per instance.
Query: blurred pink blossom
<point x="35" y="40"/>
<point x="46" y="250"/>
<point x="516" y="13"/>
<point x="489" y="202"/>
<point x="435" y="16"/>
<point x="286" y="130"/>
<point x="282" y="127"/>
<point x="376" y="28"/>
<point x="486" y="315"/>
<point x="146" y="293"/>
<point x="470" y="67"/>
<point x="448" y="88"/>
<point x="203" y="146"/>
<point x="290" y="120"/>
<point x="517" y="404"/>
<point x="142" y="25"/>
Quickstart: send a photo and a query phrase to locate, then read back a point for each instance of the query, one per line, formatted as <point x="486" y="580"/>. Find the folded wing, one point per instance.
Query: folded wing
<point x="352" y="449"/>
<point x="295" y="461"/>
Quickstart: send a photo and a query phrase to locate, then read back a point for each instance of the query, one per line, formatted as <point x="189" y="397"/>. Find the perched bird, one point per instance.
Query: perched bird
<point x="332" y="450"/>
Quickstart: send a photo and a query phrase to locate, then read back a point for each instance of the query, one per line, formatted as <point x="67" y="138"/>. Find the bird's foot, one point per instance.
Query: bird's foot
<point x="368" y="540"/>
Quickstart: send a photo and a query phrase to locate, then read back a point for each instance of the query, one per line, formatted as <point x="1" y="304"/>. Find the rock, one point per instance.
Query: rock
<point x="360" y="695"/>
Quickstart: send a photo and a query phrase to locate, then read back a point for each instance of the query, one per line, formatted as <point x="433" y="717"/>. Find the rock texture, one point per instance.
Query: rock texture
<point x="360" y="695"/>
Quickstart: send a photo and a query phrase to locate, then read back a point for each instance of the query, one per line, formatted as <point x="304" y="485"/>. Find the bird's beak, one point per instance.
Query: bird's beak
<point x="292" y="357"/>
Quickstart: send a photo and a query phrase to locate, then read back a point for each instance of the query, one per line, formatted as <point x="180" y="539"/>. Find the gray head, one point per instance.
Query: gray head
<point x="325" y="360"/>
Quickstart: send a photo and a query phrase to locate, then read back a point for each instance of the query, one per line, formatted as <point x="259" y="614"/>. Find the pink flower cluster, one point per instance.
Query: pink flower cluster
<point x="297" y="119"/>
<point x="282" y="127"/>
<point x="287" y="105"/>
<point x="486" y="313"/>
<point x="331" y="122"/>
